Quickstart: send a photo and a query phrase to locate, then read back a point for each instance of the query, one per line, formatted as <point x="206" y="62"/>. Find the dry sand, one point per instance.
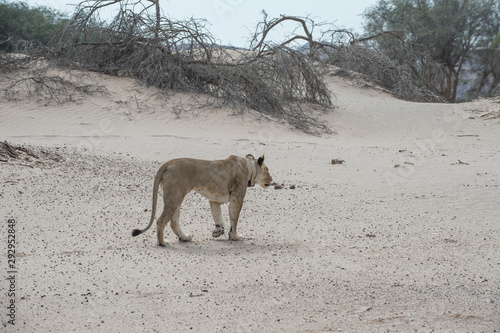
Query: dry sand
<point x="403" y="236"/>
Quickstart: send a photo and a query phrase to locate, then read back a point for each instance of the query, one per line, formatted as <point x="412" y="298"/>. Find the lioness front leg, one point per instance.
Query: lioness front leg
<point x="217" y="216"/>
<point x="234" y="213"/>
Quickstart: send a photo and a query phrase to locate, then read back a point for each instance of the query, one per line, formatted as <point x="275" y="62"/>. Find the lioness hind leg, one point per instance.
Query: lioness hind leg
<point x="174" y="224"/>
<point x="161" y="223"/>
<point x="217" y="216"/>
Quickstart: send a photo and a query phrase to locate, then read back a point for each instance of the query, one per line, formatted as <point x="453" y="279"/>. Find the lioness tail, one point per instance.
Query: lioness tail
<point x="156" y="184"/>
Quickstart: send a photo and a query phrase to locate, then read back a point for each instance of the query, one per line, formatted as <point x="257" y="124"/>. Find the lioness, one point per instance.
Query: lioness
<point x="219" y="181"/>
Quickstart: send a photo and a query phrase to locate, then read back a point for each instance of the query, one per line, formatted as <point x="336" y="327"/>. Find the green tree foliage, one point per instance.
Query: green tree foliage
<point x="450" y="29"/>
<point x="487" y="58"/>
<point x="22" y="26"/>
<point x="496" y="42"/>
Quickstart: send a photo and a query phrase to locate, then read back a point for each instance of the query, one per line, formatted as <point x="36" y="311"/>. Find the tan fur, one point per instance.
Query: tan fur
<point x="219" y="181"/>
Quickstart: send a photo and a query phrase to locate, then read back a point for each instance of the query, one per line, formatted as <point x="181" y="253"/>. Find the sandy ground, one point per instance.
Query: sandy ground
<point x="403" y="236"/>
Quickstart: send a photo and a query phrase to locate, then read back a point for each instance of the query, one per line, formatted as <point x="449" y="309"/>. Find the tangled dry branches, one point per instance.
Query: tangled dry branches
<point x="26" y="157"/>
<point x="183" y="55"/>
<point x="277" y="79"/>
<point x="409" y="74"/>
<point x="26" y="77"/>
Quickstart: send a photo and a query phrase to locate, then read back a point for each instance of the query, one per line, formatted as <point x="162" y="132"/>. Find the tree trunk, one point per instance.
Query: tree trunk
<point x="446" y="85"/>
<point x="455" y="85"/>
<point x="157" y="3"/>
<point x="493" y="85"/>
<point x="482" y="83"/>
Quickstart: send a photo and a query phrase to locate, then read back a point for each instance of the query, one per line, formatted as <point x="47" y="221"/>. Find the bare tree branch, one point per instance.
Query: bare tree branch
<point x="395" y="33"/>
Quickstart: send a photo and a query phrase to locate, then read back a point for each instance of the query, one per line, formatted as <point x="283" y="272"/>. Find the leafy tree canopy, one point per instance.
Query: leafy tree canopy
<point x="450" y="29"/>
<point x="32" y="25"/>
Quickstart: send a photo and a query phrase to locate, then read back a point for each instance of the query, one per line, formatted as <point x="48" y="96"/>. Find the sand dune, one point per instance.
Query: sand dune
<point x="403" y="236"/>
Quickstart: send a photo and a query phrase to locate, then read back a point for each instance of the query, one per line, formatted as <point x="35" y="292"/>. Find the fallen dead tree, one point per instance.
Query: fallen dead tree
<point x="183" y="55"/>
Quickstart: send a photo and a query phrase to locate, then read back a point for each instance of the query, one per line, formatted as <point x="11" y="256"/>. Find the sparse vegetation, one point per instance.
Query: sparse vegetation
<point x="418" y="56"/>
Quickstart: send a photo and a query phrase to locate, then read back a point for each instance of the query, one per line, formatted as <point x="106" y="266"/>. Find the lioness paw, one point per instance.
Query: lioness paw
<point x="235" y="237"/>
<point x="218" y="231"/>
<point x="165" y="243"/>
<point x="186" y="238"/>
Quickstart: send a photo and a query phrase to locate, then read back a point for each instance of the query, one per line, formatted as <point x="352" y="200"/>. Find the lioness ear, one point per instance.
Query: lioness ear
<point x="260" y="160"/>
<point x="250" y="156"/>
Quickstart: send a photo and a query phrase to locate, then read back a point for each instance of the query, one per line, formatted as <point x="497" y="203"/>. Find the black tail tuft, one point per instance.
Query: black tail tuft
<point x="136" y="232"/>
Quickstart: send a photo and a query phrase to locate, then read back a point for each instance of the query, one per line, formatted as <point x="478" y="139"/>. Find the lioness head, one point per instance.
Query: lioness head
<point x="263" y="178"/>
